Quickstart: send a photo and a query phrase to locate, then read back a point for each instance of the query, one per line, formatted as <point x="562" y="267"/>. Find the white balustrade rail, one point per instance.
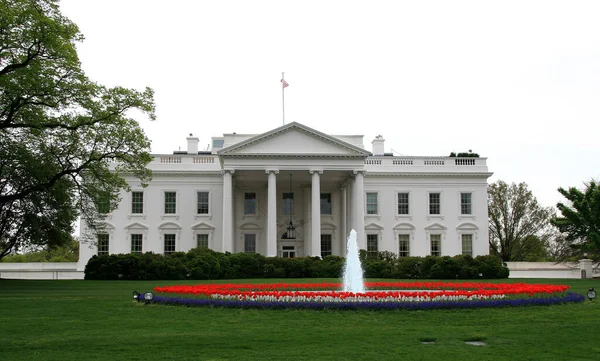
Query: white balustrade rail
<point x="407" y="162"/>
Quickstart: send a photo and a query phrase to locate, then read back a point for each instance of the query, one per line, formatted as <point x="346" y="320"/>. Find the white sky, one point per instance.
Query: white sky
<point x="515" y="81"/>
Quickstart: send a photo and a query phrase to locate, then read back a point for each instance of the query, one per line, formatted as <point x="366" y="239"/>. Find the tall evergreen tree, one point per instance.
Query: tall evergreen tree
<point x="580" y="222"/>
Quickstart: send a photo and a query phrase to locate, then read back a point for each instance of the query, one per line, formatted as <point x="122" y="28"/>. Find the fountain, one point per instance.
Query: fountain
<point x="353" y="272"/>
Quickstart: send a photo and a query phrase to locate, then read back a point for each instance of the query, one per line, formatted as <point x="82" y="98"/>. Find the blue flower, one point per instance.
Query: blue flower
<point x="488" y="303"/>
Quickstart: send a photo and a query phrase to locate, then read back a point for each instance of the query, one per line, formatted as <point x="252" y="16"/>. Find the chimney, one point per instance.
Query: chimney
<point x="192" y="144"/>
<point x="378" y="145"/>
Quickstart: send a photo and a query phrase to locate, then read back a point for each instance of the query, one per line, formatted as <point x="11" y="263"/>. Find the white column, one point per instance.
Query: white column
<point x="343" y="216"/>
<point x="359" y="208"/>
<point x="272" y="213"/>
<point x="227" y="232"/>
<point x="350" y="206"/>
<point x="315" y="246"/>
<point x="306" y="231"/>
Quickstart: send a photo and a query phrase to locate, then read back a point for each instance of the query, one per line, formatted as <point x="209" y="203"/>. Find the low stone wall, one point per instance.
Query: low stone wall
<point x="552" y="269"/>
<point x="41" y="271"/>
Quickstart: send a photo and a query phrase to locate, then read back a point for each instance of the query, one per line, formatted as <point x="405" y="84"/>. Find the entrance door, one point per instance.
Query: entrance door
<point x="288" y="251"/>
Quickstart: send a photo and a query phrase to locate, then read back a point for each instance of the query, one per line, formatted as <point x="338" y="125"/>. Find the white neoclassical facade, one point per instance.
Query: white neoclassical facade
<point x="294" y="191"/>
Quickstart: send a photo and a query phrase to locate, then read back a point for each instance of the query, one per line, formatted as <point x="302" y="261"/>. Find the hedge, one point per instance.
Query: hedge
<point x="204" y="264"/>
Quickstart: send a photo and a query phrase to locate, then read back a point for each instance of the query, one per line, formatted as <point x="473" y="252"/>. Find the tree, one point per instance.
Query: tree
<point x="69" y="252"/>
<point x="519" y="227"/>
<point x="580" y="222"/>
<point x="65" y="141"/>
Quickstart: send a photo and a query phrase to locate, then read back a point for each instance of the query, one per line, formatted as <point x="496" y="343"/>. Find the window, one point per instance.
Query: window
<point x="103" y="205"/>
<point x="136" y="243"/>
<point x="250" y="243"/>
<point x="218" y="143"/>
<point x="403" y="245"/>
<point x="371" y="203"/>
<point x="169" y="243"/>
<point x="288" y="251"/>
<point x="250" y="203"/>
<point x="436" y="244"/>
<point x="467" y="244"/>
<point x="102" y="244"/>
<point x="202" y="207"/>
<point x="325" y="244"/>
<point x="325" y="203"/>
<point x="288" y="204"/>
<point x="202" y="240"/>
<point x="137" y="202"/>
<point x="434" y="203"/>
<point x="372" y="249"/>
<point x="403" y="203"/>
<point x="465" y="203"/>
<point x="170" y="202"/>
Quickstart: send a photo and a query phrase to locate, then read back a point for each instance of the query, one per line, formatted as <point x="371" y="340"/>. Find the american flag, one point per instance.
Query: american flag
<point x="284" y="83"/>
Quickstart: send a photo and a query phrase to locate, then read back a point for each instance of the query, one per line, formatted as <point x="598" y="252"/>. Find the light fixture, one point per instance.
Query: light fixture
<point x="591" y="294"/>
<point x="291" y="230"/>
<point x="145" y="297"/>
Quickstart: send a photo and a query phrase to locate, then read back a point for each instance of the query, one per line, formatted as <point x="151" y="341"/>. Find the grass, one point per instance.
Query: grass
<point x="98" y="320"/>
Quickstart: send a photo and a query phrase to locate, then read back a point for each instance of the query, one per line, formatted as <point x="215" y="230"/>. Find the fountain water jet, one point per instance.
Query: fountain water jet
<point x="353" y="272"/>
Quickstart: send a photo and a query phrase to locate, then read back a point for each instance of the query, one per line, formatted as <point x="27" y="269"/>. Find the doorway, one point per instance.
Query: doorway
<point x="288" y="252"/>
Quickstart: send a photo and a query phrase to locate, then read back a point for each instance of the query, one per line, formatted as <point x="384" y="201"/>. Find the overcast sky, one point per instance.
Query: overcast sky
<point x="516" y="81"/>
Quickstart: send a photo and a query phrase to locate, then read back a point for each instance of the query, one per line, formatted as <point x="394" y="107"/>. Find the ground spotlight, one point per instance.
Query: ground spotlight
<point x="145" y="297"/>
<point x="148" y="296"/>
<point x="591" y="294"/>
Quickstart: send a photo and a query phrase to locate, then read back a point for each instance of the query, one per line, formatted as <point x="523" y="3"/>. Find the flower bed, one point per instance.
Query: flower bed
<point x="380" y="295"/>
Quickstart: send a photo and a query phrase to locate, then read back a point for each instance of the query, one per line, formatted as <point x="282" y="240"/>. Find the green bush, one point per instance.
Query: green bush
<point x="491" y="267"/>
<point x="377" y="269"/>
<point x="444" y="268"/>
<point x="408" y="267"/>
<point x="203" y="263"/>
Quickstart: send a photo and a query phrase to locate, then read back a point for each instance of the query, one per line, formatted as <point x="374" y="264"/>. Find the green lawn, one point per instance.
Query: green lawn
<point x="98" y="320"/>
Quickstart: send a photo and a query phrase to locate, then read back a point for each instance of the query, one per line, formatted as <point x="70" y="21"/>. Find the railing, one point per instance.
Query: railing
<point x="402" y="161"/>
<point x="193" y="161"/>
<point x="170" y="159"/>
<point x="433" y="161"/>
<point x="373" y="161"/>
<point x="464" y="161"/>
<point x="204" y="160"/>
<point x="424" y="161"/>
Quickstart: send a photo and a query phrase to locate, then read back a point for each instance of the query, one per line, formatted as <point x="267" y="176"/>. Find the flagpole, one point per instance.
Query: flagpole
<point x="283" y="97"/>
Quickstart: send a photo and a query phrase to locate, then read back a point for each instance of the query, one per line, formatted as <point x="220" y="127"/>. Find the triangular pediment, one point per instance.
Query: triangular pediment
<point x="203" y="226"/>
<point x="294" y="139"/>
<point x="373" y="227"/>
<point x="136" y="225"/>
<point x="436" y="227"/>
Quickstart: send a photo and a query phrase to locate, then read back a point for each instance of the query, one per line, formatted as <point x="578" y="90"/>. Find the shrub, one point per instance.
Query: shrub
<point x="203" y="263"/>
<point x="408" y="267"/>
<point x="491" y="267"/>
<point x="444" y="268"/>
<point x="377" y="269"/>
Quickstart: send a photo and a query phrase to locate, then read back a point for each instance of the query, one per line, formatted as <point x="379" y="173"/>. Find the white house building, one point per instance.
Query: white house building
<point x="294" y="191"/>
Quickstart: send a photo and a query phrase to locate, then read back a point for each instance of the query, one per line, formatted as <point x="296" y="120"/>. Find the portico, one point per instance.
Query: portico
<point x="304" y="185"/>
